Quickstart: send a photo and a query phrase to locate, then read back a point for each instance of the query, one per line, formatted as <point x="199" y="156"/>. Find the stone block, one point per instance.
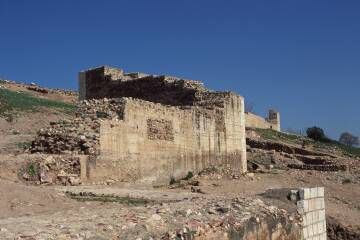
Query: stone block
<point x="315" y="229"/>
<point x="323" y="236"/>
<point x="310" y="230"/>
<point x="313" y="192"/>
<point x="320" y="227"/>
<point x="302" y="206"/>
<point x="315" y="216"/>
<point x="309" y="219"/>
<point x="305" y="193"/>
<point x="305" y="233"/>
<point x="311" y="204"/>
<point x="304" y="221"/>
<point x="322" y="200"/>
<point x="322" y="216"/>
<point x="320" y="191"/>
<point x="320" y="203"/>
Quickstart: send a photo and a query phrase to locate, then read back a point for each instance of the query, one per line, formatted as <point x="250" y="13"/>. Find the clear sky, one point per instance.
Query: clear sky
<point x="301" y="57"/>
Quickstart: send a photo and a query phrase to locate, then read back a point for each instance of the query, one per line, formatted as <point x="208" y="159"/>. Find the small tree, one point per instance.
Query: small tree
<point x="349" y="139"/>
<point x="315" y="133"/>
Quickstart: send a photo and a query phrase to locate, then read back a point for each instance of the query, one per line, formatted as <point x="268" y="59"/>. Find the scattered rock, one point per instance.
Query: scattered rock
<point x="156" y="217"/>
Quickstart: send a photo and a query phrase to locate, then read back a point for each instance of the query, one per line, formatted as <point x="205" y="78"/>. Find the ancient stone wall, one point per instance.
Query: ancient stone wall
<point x="154" y="143"/>
<point x="271" y="122"/>
<point x="113" y="83"/>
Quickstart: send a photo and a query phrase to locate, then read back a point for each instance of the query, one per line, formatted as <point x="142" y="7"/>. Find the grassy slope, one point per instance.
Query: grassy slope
<point x="296" y="139"/>
<point x="11" y="102"/>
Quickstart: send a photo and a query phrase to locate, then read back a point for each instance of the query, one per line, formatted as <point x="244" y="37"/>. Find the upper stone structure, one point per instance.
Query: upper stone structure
<point x="112" y="82"/>
<point x="165" y="126"/>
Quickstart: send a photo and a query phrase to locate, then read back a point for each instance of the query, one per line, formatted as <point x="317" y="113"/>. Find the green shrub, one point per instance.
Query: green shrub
<point x="33" y="170"/>
<point x="188" y="176"/>
<point x="172" y="181"/>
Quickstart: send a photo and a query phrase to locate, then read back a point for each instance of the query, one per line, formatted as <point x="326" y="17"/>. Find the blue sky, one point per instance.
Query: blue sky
<point x="301" y="57"/>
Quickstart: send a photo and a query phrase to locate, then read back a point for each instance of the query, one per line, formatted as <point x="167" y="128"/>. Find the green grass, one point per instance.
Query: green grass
<point x="23" y="145"/>
<point x="33" y="169"/>
<point x="11" y="102"/>
<point x="346" y="150"/>
<point x="270" y="134"/>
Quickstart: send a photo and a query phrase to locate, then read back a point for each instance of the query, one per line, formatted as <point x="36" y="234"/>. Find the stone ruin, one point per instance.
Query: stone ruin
<point x="148" y="128"/>
<point x="271" y="122"/>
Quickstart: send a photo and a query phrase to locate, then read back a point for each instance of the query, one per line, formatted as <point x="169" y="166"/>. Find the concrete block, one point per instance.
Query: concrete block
<point x="305" y="232"/>
<point x="311" y="204"/>
<point x="323" y="236"/>
<point x="302" y="206"/>
<point x="313" y="192"/>
<point x="317" y="203"/>
<point x="315" y="216"/>
<point x="311" y="217"/>
<point x="316" y="229"/>
<point x="321" y="227"/>
<point x="321" y="191"/>
<point x="308" y="218"/>
<point x="305" y="193"/>
<point x="322" y="200"/>
<point x="310" y="231"/>
<point x="322" y="216"/>
<point x="304" y="221"/>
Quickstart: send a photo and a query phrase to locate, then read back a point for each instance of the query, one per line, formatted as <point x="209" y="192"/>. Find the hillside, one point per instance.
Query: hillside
<point x="24" y="109"/>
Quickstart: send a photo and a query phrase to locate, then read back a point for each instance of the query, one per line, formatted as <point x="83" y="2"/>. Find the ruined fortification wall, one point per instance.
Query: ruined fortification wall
<point x="112" y="83"/>
<point x="154" y="143"/>
<point x="255" y="121"/>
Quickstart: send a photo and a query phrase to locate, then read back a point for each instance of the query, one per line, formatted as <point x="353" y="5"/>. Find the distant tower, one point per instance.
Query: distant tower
<point x="274" y="118"/>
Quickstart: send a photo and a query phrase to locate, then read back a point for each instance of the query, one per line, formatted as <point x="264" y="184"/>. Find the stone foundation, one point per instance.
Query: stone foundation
<point x="155" y="143"/>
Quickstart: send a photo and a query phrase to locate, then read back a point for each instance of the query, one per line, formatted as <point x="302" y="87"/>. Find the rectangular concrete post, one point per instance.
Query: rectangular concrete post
<point x="311" y="206"/>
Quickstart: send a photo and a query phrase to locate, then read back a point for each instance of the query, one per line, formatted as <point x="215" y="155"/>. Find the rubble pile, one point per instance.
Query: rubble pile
<point x="218" y="172"/>
<point x="52" y="169"/>
<point x="80" y="135"/>
<point x="36" y="88"/>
